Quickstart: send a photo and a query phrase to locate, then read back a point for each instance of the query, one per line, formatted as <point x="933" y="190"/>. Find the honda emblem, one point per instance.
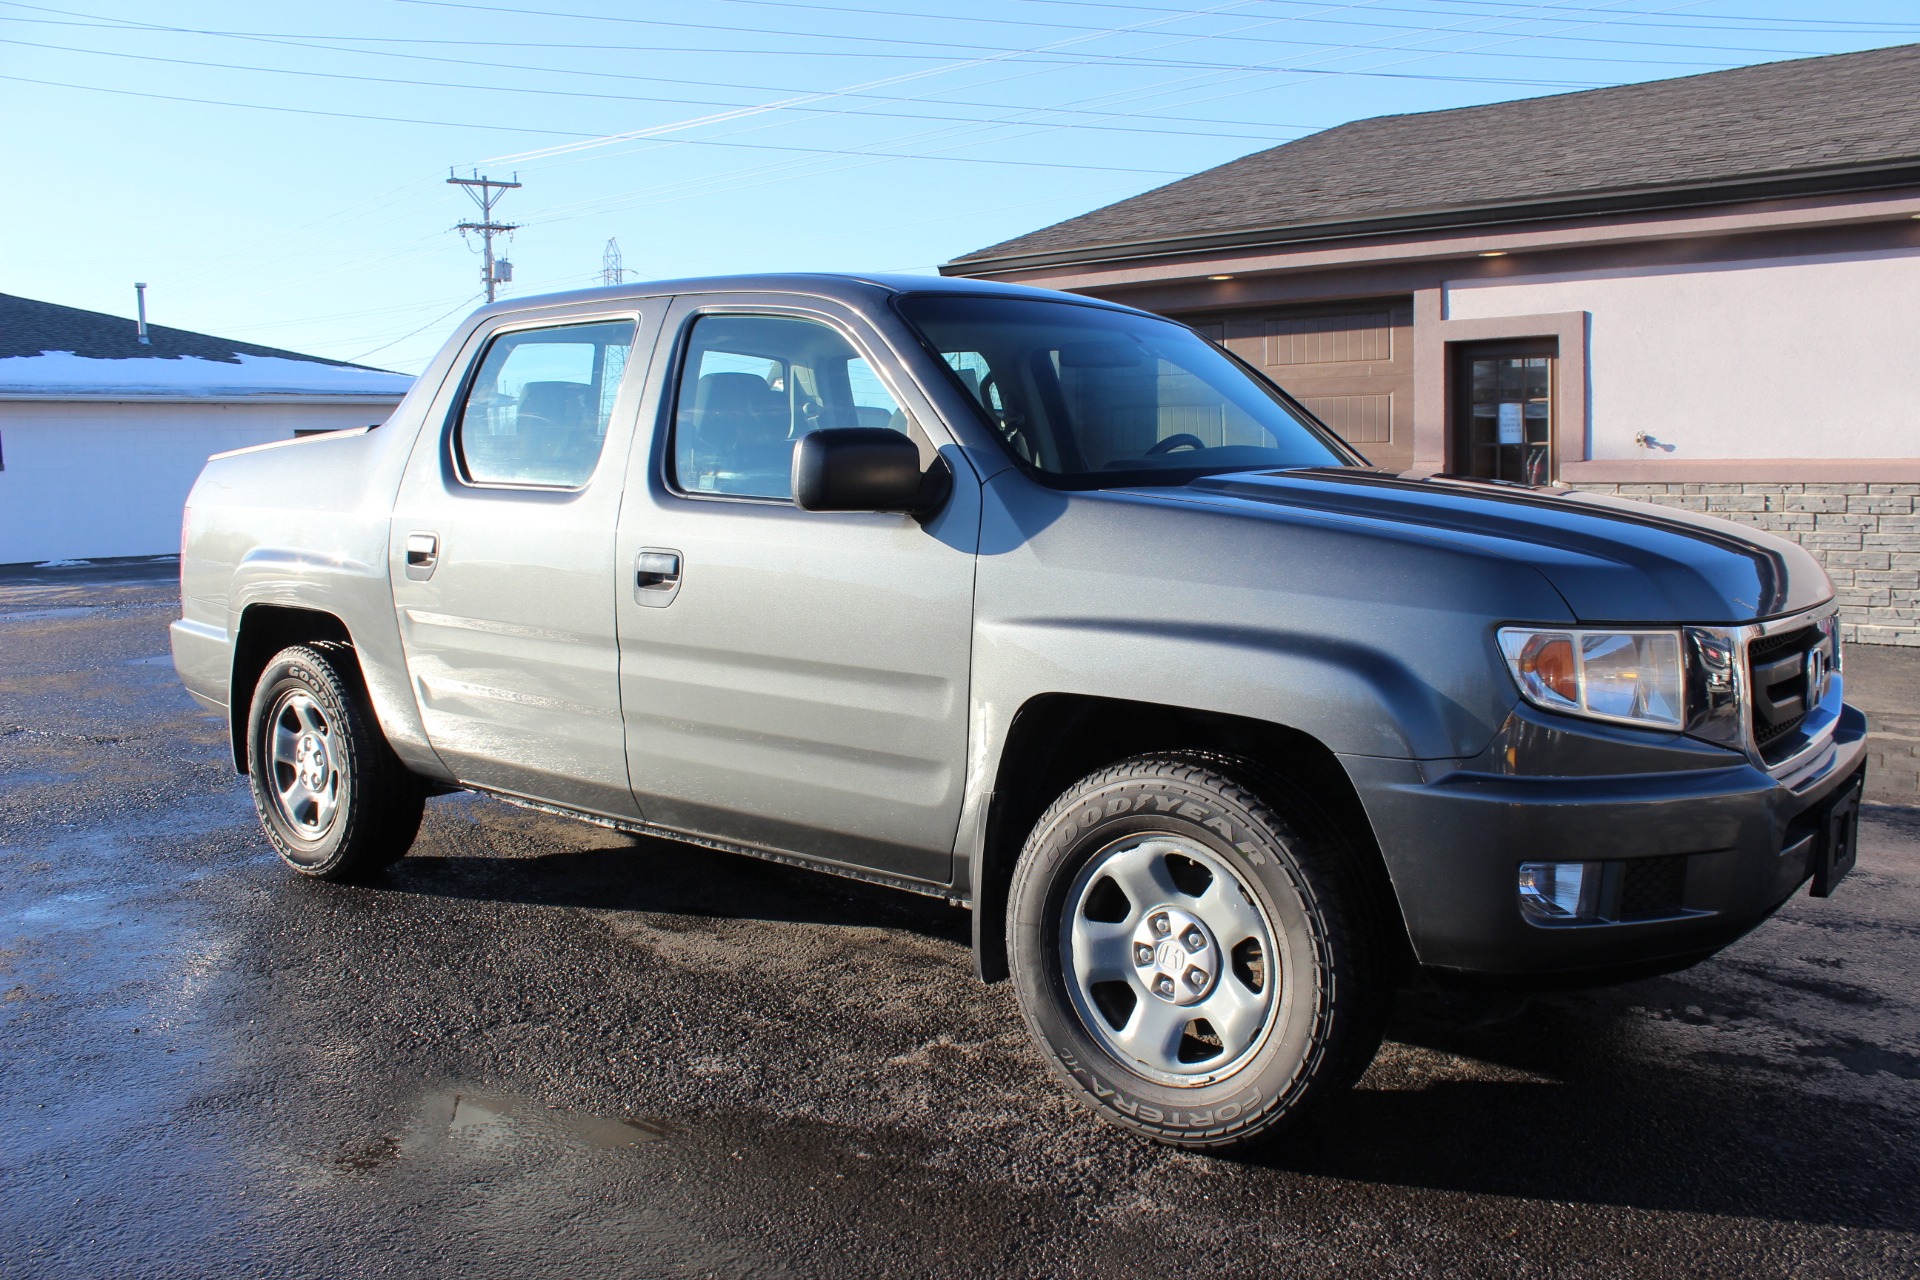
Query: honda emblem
<point x="1819" y="675"/>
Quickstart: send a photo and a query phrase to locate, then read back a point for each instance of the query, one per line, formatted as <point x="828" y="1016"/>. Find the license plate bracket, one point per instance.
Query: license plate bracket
<point x="1837" y="846"/>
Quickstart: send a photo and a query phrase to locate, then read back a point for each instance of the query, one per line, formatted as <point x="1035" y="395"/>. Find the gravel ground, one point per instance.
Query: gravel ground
<point x="540" y="1048"/>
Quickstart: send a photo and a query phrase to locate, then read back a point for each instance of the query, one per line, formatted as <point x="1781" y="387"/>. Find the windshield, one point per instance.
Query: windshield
<point x="1098" y="397"/>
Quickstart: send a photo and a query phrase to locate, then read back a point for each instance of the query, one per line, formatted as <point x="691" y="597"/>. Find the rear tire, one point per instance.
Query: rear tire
<point x="1196" y="950"/>
<point x="335" y="801"/>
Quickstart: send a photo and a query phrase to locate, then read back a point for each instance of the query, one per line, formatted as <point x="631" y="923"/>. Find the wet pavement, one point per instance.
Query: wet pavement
<point x="540" y="1048"/>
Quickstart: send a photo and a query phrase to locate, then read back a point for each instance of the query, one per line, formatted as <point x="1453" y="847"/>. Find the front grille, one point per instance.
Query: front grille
<point x="1777" y="673"/>
<point x="1653" y="887"/>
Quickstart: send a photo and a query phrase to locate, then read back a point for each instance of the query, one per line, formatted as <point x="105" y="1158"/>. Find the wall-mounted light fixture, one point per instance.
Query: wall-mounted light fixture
<point x="1219" y="277"/>
<point x="1493" y="253"/>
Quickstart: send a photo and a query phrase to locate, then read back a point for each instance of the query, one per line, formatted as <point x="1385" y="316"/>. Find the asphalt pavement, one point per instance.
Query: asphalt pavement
<point x="537" y="1048"/>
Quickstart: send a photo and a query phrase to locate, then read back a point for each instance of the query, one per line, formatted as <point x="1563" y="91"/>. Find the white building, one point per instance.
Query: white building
<point x="101" y="434"/>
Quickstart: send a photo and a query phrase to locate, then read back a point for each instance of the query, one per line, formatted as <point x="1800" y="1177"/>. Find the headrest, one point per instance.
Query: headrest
<point x="737" y="393"/>
<point x="564" y="404"/>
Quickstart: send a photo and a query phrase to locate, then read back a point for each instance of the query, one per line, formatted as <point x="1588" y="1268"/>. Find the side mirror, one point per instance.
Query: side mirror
<point x="865" y="469"/>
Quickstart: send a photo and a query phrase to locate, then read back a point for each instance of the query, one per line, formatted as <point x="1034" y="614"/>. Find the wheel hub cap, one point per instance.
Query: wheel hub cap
<point x="310" y="759"/>
<point x="1176" y="955"/>
<point x="1169" y="959"/>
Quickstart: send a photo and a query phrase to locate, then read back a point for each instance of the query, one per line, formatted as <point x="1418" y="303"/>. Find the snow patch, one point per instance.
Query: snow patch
<point x="64" y="373"/>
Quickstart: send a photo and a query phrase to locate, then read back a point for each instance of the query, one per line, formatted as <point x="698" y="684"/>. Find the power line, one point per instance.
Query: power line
<point x="463" y="303"/>
<point x="151" y="26"/>
<point x="1743" y="19"/>
<point x="601" y="202"/>
<point x="987" y="58"/>
<point x="1544" y="13"/>
<point x="983" y="51"/>
<point x="570" y="133"/>
<point x="297" y="41"/>
<point x="1317" y="17"/>
<point x="790" y="106"/>
<point x="1322" y="16"/>
<point x="574" y="93"/>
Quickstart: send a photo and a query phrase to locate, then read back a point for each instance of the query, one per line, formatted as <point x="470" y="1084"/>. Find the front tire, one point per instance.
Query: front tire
<point x="335" y="801"/>
<point x="1195" y="949"/>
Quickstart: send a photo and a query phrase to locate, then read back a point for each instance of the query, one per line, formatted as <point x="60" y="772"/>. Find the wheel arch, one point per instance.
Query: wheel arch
<point x="264" y="630"/>
<point x="1055" y="739"/>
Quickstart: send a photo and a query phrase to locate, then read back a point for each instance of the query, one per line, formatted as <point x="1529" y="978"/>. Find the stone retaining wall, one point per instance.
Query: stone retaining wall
<point x="1867" y="536"/>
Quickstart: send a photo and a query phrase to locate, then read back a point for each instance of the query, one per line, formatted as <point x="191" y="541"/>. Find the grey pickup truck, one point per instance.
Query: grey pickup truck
<point x="1050" y="608"/>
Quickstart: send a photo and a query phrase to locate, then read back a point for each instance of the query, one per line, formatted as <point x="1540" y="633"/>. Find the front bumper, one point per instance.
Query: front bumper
<point x="1453" y="838"/>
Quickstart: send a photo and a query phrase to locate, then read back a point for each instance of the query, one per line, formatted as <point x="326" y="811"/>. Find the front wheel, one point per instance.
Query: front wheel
<point x="335" y="801"/>
<point x="1197" y="965"/>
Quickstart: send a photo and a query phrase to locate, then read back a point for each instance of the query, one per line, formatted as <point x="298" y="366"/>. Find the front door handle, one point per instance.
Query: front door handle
<point x="423" y="555"/>
<point x="656" y="576"/>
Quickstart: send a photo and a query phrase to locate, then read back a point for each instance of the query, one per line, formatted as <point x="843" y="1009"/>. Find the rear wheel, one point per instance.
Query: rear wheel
<point x="1195" y="949"/>
<point x="335" y="801"/>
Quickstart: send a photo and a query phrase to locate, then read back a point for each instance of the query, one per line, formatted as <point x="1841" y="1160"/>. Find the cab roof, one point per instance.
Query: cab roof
<point x="836" y="286"/>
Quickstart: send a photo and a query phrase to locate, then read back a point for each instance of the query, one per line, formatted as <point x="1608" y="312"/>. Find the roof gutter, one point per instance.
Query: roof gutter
<point x="1854" y="178"/>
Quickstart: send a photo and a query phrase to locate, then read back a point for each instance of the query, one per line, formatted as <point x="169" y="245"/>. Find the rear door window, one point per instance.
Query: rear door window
<point x="537" y="408"/>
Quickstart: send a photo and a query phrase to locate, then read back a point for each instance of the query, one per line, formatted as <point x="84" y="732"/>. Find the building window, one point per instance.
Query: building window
<point x="1502" y="423"/>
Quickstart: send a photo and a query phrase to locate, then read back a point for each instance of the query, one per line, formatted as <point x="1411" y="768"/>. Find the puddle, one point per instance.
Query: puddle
<point x="497" y="1119"/>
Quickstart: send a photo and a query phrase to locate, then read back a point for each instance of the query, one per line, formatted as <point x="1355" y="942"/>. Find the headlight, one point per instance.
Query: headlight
<point x="1630" y="677"/>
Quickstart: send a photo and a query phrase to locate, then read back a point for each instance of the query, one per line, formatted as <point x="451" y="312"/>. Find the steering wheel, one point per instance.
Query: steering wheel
<point x="1181" y="441"/>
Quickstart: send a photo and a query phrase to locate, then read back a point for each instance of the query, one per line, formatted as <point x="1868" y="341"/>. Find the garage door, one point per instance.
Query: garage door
<point x="1351" y="363"/>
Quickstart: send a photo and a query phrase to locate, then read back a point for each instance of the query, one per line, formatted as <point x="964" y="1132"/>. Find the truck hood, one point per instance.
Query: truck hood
<point x="1613" y="560"/>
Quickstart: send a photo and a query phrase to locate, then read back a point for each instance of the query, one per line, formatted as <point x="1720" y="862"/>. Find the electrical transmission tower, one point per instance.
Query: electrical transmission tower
<point x="611" y="272"/>
<point x="486" y="193"/>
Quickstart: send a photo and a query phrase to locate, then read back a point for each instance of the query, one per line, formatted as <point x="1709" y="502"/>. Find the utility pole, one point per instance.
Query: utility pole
<point x="486" y="193"/>
<point x="611" y="272"/>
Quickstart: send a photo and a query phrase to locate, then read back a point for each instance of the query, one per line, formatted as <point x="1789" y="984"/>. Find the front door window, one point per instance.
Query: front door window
<point x="752" y="386"/>
<point x="1503" y="424"/>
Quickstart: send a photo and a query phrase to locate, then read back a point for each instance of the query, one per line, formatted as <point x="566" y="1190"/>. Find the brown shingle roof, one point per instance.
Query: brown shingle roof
<point x="1811" y="120"/>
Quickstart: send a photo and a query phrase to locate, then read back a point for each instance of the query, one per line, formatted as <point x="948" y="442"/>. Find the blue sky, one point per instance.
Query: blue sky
<point x="276" y="173"/>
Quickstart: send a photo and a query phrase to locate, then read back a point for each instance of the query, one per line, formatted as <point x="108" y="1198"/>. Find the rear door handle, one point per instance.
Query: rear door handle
<point x="423" y="554"/>
<point x="656" y="576"/>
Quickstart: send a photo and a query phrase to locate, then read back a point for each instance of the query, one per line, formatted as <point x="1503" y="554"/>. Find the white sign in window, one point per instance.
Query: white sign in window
<point x="1511" y="429"/>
